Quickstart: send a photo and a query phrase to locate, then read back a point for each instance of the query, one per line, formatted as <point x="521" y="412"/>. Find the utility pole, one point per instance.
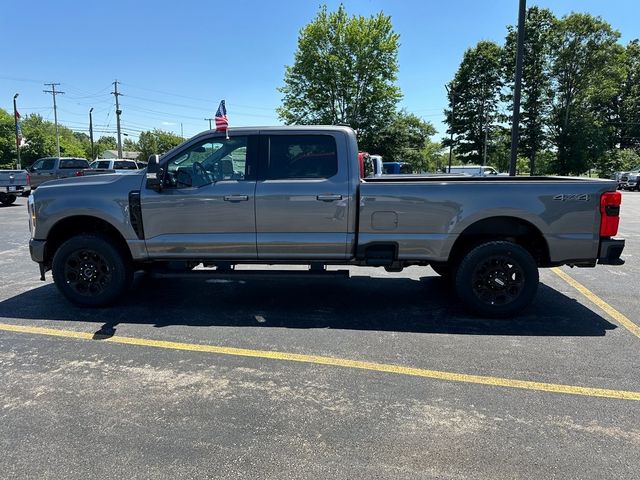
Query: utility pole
<point x="210" y="120"/>
<point x="453" y="116"/>
<point x="118" y="113"/>
<point x="15" y="117"/>
<point x="181" y="131"/>
<point x="93" y="157"/>
<point x="518" y="84"/>
<point x="53" y="93"/>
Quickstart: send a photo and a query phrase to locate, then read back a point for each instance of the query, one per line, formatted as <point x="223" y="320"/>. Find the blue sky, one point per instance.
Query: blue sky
<point x="176" y="60"/>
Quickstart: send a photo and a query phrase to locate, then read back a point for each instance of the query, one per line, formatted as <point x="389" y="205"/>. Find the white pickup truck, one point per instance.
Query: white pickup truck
<point x="115" y="165"/>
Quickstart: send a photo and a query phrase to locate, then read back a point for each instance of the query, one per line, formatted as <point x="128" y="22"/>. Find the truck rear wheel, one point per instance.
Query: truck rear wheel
<point x="90" y="271"/>
<point x="497" y="279"/>
<point x="7" y="199"/>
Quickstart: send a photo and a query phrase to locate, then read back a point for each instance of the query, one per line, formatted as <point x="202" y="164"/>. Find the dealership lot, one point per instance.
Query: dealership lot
<point x="377" y="376"/>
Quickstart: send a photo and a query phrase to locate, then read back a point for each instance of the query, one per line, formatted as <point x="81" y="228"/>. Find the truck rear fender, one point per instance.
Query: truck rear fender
<point x="514" y="229"/>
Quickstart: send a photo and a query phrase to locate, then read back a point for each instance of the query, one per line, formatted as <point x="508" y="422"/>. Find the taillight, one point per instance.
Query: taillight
<point x="79" y="173"/>
<point x="610" y="213"/>
<point x="28" y="179"/>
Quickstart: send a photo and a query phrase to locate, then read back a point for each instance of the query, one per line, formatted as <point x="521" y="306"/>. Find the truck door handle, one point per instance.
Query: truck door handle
<point x="329" y="198"/>
<point x="236" y="198"/>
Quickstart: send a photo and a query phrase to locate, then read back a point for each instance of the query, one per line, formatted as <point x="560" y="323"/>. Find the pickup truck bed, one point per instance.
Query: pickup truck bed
<point x="293" y="195"/>
<point x="12" y="184"/>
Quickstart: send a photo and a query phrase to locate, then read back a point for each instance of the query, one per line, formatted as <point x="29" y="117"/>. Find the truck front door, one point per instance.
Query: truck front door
<point x="206" y="208"/>
<point x="302" y="197"/>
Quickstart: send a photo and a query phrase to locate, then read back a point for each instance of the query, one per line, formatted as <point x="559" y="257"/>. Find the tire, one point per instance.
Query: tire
<point x="90" y="271"/>
<point x="497" y="279"/>
<point x="8" y="199"/>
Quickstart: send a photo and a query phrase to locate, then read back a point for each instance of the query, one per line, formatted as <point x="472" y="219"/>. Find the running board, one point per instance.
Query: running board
<point x="236" y="274"/>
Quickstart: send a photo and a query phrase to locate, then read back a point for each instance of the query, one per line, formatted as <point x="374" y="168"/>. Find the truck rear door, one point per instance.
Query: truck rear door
<point x="303" y="196"/>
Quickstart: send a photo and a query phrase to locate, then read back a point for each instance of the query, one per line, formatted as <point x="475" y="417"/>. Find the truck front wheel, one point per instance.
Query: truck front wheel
<point x="90" y="271"/>
<point x="497" y="279"/>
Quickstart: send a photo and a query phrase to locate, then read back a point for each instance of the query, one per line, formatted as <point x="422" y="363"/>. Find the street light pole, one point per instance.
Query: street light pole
<point x="91" y="132"/>
<point x="453" y="112"/>
<point x="15" y="117"/>
<point x="210" y="120"/>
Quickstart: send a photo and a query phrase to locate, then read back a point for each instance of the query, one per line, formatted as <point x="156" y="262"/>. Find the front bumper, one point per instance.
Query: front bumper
<point x="36" y="250"/>
<point x="610" y="251"/>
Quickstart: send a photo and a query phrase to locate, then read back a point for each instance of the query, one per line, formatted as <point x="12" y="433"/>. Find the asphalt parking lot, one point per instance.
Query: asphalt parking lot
<point x="377" y="376"/>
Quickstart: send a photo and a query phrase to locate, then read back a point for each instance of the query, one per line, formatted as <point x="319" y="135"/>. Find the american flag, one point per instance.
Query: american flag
<point x="222" y="122"/>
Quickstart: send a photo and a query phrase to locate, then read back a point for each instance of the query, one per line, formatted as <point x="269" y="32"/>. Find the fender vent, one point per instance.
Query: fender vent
<point x="135" y="213"/>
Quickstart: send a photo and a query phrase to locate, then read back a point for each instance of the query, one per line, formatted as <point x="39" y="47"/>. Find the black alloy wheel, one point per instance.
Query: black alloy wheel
<point x="90" y="270"/>
<point x="497" y="279"/>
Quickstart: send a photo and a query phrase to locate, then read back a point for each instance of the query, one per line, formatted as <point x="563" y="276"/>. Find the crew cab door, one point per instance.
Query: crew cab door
<point x="302" y="197"/>
<point x="42" y="170"/>
<point x="206" y="207"/>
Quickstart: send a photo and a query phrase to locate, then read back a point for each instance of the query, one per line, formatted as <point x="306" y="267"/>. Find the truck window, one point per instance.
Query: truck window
<point x="45" y="164"/>
<point x="74" y="163"/>
<point x="124" y="165"/>
<point x="209" y="161"/>
<point x="302" y="156"/>
<point x="99" y="164"/>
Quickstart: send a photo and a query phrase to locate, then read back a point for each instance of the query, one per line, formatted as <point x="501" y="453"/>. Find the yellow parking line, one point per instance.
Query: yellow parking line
<point x="593" y="298"/>
<point x="337" y="362"/>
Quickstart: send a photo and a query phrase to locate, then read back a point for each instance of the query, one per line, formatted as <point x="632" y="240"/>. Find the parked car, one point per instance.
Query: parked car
<point x="294" y="195"/>
<point x="52" y="168"/>
<point x="395" y="168"/>
<point x="12" y="184"/>
<point x="114" y="165"/>
<point x="630" y="180"/>
<point x="473" y="170"/>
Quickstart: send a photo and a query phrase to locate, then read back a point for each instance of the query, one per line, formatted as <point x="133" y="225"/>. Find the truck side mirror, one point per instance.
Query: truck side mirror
<point x="154" y="173"/>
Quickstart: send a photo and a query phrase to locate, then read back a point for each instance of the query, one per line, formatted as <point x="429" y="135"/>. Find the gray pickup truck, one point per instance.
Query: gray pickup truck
<point x="53" y="168"/>
<point x="293" y="195"/>
<point x="12" y="184"/>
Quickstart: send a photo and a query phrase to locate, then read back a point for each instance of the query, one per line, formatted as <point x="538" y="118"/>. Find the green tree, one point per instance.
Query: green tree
<point x="157" y="142"/>
<point x="585" y="70"/>
<point x="617" y="160"/>
<point x="629" y="99"/>
<point x="540" y="25"/>
<point x="103" y="144"/>
<point x="476" y="88"/>
<point x="344" y="71"/>
<point x="8" y="156"/>
<point x="130" y="145"/>
<point x="405" y="138"/>
<point x="40" y="137"/>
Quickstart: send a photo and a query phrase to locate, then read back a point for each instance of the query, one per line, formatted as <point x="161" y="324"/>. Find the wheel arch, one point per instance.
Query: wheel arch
<point x="513" y="229"/>
<point x="69" y="227"/>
